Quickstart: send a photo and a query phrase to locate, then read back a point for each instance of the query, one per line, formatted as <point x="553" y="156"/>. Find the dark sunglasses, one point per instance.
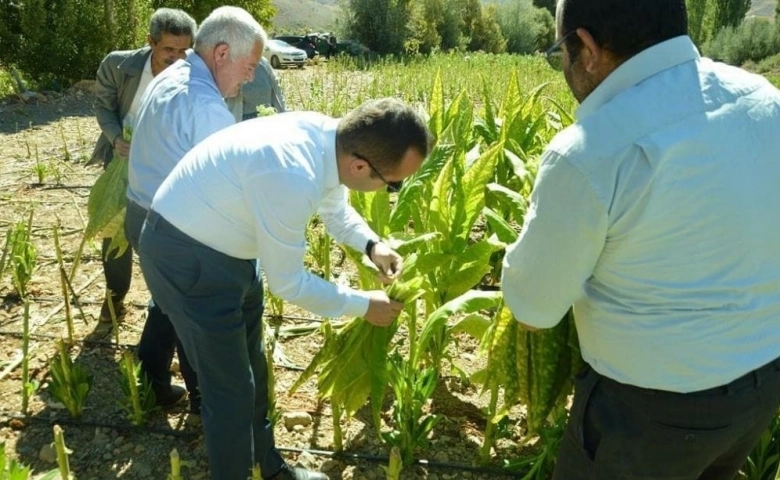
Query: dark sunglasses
<point x="554" y="55"/>
<point x="392" y="187"/>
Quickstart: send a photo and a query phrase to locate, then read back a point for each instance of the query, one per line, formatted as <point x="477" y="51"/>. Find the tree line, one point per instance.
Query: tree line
<point x="58" y="42"/>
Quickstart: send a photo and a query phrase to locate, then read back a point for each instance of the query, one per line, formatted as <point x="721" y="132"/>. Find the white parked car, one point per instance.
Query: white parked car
<point x="281" y="53"/>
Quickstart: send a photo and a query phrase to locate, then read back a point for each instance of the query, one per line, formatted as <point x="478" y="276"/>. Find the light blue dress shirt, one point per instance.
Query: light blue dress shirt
<point x="249" y="192"/>
<point x="657" y="216"/>
<point x="181" y="107"/>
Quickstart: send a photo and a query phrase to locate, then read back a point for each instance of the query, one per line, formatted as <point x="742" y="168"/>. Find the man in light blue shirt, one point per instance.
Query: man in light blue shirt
<point x="654" y="215"/>
<point x="242" y="199"/>
<point x="182" y="106"/>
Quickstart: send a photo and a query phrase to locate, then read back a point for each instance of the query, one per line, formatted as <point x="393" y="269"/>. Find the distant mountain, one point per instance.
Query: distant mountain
<point x="298" y="16"/>
<point x="763" y="8"/>
<point x="301" y="16"/>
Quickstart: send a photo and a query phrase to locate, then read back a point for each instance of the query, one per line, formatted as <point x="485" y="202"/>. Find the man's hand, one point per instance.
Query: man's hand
<point x="381" y="310"/>
<point x="388" y="261"/>
<point x="121" y="147"/>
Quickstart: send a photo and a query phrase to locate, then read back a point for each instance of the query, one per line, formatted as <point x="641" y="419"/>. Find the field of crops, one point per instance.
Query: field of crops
<point x="454" y="389"/>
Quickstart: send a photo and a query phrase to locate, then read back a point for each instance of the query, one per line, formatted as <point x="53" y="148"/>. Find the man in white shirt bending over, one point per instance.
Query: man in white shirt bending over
<point x="242" y="199"/>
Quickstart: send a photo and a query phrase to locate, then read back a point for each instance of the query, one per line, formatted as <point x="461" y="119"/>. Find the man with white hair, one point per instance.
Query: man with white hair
<point x="182" y="106"/>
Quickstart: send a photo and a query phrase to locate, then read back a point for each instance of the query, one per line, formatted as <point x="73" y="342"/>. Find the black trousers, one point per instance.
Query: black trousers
<point x="118" y="271"/>
<point x="623" y="432"/>
<point x="158" y="339"/>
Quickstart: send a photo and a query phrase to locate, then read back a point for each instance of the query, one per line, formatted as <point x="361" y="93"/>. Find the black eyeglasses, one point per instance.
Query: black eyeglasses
<point x="392" y="187"/>
<point x="554" y="55"/>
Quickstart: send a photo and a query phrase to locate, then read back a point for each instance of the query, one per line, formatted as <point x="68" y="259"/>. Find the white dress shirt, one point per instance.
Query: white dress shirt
<point x="656" y="215"/>
<point x="249" y="192"/>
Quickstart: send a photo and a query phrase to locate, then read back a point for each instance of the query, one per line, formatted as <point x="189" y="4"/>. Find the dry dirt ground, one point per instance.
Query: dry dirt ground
<point x="55" y="133"/>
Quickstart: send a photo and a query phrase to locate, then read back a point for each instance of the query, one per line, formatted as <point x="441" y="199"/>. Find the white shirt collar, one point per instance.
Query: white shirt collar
<point x="641" y="66"/>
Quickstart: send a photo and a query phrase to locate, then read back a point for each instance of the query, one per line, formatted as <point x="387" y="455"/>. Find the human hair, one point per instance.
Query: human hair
<point x="171" y="21"/>
<point x="232" y="26"/>
<point x="383" y="130"/>
<point x="622" y="27"/>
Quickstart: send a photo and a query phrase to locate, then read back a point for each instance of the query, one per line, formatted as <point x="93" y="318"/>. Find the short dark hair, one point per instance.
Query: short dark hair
<point x="383" y="130"/>
<point x="623" y="27"/>
<point x="172" y="21"/>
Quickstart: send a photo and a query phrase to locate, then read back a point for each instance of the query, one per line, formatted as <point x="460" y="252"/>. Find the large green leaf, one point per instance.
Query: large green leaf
<point x="470" y="302"/>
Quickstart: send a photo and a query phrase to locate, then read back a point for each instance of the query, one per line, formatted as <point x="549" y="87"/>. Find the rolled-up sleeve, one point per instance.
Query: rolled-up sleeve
<point x="560" y="243"/>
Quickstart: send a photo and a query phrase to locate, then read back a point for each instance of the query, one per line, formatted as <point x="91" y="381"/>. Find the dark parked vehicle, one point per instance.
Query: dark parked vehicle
<point x="305" y="43"/>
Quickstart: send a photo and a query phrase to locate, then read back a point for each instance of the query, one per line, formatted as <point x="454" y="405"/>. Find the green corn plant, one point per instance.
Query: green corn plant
<point x="112" y="313"/>
<point x="24" y="258"/>
<point x="139" y="400"/>
<point x="274" y="414"/>
<point x="63" y="283"/>
<point x="23" y="254"/>
<point x="70" y="383"/>
<point x="319" y="244"/>
<point x="256" y="473"/>
<point x="394" y="465"/>
<point x="4" y="254"/>
<point x="763" y="463"/>
<point x="62" y="454"/>
<point x="275" y="304"/>
<point x="10" y="469"/>
<point x="175" y="473"/>
<point x="65" y="152"/>
<point x="40" y="170"/>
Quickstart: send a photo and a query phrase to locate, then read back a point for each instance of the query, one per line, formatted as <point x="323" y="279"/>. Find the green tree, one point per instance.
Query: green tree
<point x="382" y="25"/>
<point x="486" y="32"/>
<point x="696" y="14"/>
<point x="424" y="26"/>
<point x="728" y="13"/>
<point x="548" y="4"/>
<point x="527" y="28"/>
<point x="262" y="10"/>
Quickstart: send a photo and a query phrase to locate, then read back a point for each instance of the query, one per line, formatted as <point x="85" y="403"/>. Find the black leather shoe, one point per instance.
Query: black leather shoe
<point x="298" y="473"/>
<point x="169" y="395"/>
<point x="119" y="311"/>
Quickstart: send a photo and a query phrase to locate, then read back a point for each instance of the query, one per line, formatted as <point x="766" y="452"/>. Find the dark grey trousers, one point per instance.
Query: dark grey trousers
<point x="158" y="339"/>
<point x="622" y="432"/>
<point x="216" y="303"/>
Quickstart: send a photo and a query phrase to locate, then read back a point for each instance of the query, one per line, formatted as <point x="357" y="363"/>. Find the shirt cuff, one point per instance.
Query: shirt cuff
<point x="356" y="304"/>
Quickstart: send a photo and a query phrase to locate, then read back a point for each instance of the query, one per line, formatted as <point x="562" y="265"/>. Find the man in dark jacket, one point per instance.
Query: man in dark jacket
<point x="121" y="81"/>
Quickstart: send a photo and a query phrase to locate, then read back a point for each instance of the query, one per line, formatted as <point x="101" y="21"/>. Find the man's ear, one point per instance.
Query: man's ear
<point x="356" y="165"/>
<point x="592" y="55"/>
<point x="222" y="54"/>
<point x="149" y="40"/>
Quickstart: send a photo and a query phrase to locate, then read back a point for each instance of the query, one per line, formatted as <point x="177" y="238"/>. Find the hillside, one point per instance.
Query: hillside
<point x="763" y="8"/>
<point x="297" y="16"/>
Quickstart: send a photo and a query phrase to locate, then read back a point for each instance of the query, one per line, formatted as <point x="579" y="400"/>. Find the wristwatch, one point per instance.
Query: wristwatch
<point x="370" y="246"/>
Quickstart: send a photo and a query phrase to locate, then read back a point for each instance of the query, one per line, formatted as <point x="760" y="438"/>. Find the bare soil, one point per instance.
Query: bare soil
<point x="56" y="132"/>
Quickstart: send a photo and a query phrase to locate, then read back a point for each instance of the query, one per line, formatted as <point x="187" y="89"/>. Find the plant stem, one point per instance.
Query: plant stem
<point x="338" y="444"/>
<point x="490" y="428"/>
<point x="62" y="453"/>
<point x="63" y="283"/>
<point x="25" y="355"/>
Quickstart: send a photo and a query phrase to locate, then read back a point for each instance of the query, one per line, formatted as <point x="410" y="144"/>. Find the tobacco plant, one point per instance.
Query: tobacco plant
<point x="70" y="383"/>
<point x="139" y="400"/>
